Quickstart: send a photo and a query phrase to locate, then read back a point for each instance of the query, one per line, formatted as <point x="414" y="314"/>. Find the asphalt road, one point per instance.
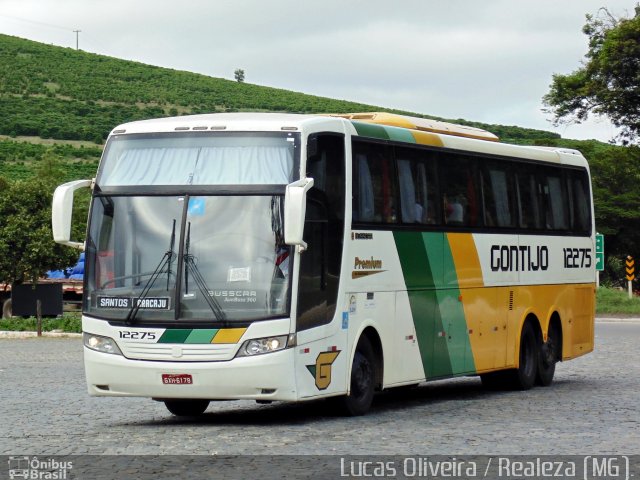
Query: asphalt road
<point x="592" y="407"/>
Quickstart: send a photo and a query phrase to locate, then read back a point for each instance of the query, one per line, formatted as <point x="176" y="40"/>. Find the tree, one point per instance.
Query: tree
<point x="608" y="83"/>
<point x="239" y="74"/>
<point x="27" y="249"/>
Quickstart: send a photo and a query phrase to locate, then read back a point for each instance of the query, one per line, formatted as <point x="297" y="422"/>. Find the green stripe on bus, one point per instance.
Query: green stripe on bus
<point x="452" y="311"/>
<point x="441" y="362"/>
<point x="176" y="335"/>
<point x="201" y="336"/>
<point x="400" y="135"/>
<point x="370" y="130"/>
<point x="423" y="300"/>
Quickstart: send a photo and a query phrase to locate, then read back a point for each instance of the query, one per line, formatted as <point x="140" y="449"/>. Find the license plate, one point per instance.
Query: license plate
<point x="177" y="379"/>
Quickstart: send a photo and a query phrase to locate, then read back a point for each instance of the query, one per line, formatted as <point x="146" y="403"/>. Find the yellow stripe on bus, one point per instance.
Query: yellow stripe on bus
<point x="425" y="138"/>
<point x="466" y="260"/>
<point x="229" y="335"/>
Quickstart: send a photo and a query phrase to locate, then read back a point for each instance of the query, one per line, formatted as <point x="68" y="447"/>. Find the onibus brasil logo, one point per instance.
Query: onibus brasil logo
<point x="33" y="468"/>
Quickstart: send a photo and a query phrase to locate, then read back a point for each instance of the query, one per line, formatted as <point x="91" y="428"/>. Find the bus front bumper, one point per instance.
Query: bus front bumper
<point x="262" y="377"/>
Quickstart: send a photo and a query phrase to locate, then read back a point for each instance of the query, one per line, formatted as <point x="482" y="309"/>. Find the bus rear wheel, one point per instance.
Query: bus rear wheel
<point x="363" y="380"/>
<point x="524" y="377"/>
<point x="186" y="408"/>
<point x="548" y="355"/>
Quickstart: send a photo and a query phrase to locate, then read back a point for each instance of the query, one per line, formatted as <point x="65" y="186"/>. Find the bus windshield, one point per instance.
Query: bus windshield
<point x="199" y="158"/>
<point x="163" y="258"/>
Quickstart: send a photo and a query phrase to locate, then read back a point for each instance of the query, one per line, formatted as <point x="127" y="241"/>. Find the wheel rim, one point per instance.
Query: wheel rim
<point x="549" y="352"/>
<point x="361" y="377"/>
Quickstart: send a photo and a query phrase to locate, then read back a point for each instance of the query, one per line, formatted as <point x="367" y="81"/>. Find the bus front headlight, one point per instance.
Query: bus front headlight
<point x="259" y="346"/>
<point x="101" y="344"/>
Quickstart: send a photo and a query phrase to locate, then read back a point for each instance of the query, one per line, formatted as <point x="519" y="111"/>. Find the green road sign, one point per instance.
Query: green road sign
<point x="600" y="261"/>
<point x="599" y="243"/>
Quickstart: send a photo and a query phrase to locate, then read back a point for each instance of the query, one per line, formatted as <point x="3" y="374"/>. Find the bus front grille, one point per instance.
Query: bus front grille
<point x="169" y="352"/>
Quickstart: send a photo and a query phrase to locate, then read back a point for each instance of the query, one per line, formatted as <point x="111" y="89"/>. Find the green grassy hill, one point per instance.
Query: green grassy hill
<point x="49" y="92"/>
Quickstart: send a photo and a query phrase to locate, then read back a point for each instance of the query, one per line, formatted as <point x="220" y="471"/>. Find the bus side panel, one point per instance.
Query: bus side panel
<point x="322" y="365"/>
<point x="582" y="331"/>
<point x="555" y="274"/>
<point x="435" y="297"/>
<point x="484" y="308"/>
<point x="407" y="361"/>
<point x="377" y="297"/>
<point x="574" y="303"/>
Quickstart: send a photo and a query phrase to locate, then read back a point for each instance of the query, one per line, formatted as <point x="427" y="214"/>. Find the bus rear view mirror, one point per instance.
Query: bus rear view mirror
<point x="295" y="205"/>
<point x="62" y="210"/>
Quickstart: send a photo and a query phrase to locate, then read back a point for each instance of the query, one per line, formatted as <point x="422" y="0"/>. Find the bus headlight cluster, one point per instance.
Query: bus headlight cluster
<point x="101" y="344"/>
<point x="258" y="346"/>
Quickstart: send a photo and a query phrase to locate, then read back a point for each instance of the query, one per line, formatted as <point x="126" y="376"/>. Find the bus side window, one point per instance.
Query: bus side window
<point x="529" y="201"/>
<point x="555" y="200"/>
<point x="499" y="196"/>
<point x="410" y="207"/>
<point x="374" y="184"/>
<point x="416" y="180"/>
<point x="579" y="196"/>
<point x="460" y="199"/>
<point x="364" y="211"/>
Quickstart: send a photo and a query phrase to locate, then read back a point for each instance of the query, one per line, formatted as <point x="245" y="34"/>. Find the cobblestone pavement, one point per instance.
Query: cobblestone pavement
<point x="592" y="407"/>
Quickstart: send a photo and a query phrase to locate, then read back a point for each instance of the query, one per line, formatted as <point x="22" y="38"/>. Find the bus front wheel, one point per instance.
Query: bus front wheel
<point x="186" y="408"/>
<point x="363" y="380"/>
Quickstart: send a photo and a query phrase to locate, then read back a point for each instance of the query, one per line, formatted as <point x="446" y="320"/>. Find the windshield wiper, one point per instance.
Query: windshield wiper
<point x="190" y="266"/>
<point x="164" y="261"/>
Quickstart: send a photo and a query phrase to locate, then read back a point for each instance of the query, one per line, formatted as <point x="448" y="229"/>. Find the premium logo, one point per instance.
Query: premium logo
<point x="321" y="371"/>
<point x="363" y="267"/>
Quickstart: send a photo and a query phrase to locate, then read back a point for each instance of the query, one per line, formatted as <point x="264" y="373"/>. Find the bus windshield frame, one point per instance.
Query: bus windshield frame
<point x="190" y="252"/>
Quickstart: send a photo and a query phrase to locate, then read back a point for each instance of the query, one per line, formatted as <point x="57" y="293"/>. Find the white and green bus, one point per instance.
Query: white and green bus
<point x="295" y="257"/>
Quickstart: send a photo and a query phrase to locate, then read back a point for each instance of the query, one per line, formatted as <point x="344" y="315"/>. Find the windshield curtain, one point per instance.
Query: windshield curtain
<point x="199" y="159"/>
<point x="209" y="258"/>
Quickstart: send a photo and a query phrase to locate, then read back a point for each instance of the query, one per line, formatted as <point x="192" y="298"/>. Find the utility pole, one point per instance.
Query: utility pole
<point x="77" y="32"/>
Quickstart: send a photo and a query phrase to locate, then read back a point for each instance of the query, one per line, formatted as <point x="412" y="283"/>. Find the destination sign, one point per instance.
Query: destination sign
<point x="126" y="303"/>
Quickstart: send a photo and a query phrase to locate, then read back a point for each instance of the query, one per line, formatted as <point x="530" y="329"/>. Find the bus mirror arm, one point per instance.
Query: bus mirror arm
<point x="295" y="206"/>
<point x="62" y="210"/>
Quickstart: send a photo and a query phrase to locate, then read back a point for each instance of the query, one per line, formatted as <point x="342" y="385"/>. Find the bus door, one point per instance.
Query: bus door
<point x="321" y="359"/>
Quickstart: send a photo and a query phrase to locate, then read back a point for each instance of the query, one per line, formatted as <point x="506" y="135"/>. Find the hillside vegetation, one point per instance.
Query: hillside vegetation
<point x="59" y="93"/>
<point x="59" y="104"/>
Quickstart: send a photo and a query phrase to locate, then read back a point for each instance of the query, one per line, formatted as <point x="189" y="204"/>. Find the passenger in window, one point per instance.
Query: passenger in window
<point x="430" y="217"/>
<point x="419" y="212"/>
<point x="453" y="210"/>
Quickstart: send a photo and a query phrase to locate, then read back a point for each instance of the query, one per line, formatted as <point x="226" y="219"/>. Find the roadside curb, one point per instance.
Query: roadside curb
<point x="10" y="334"/>
<point x="617" y="320"/>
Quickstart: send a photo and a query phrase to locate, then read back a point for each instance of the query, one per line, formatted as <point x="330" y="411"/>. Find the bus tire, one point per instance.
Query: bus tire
<point x="363" y="380"/>
<point x="186" y="408"/>
<point x="7" y="310"/>
<point x="548" y="355"/>
<point x="524" y="377"/>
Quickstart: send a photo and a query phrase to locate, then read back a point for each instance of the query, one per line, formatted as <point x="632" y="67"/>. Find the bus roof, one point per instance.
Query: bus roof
<point x="374" y="125"/>
<point x="420" y="124"/>
<point x="220" y="121"/>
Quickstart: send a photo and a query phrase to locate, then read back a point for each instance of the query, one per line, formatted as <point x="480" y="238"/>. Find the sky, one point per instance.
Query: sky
<point x="487" y="61"/>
